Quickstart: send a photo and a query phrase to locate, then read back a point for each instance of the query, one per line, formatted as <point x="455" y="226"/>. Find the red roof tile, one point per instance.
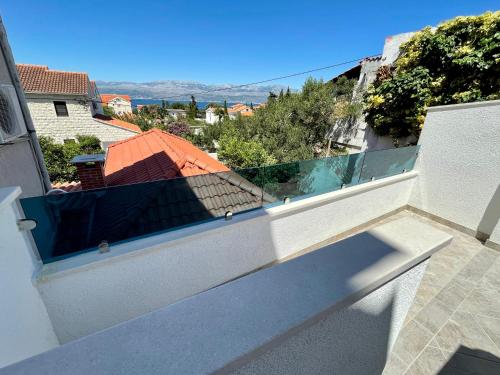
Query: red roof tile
<point x="118" y="123"/>
<point x="39" y="79"/>
<point x="106" y="98"/>
<point x="156" y="155"/>
<point x="68" y="186"/>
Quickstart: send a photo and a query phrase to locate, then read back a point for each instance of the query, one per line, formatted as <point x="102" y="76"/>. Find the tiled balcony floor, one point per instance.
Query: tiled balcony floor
<point x="453" y="326"/>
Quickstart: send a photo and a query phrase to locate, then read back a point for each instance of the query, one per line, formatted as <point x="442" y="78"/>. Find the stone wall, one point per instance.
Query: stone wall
<point x="78" y="122"/>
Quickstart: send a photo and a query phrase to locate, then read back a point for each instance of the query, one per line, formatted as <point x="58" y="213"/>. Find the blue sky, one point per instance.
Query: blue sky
<point x="212" y="42"/>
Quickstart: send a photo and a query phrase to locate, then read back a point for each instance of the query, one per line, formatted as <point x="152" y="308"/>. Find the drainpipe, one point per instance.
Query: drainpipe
<point x="33" y="140"/>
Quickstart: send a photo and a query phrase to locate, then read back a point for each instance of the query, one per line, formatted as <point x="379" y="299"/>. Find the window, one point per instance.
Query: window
<point x="61" y="109"/>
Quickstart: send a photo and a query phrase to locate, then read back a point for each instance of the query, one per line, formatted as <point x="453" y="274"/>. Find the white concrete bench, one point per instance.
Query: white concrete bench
<point x="335" y="310"/>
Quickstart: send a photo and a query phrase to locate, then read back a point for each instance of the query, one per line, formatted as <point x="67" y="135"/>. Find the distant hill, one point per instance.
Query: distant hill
<point x="171" y="90"/>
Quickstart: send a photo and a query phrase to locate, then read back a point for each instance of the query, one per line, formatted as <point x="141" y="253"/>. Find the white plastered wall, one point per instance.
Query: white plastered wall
<point x="459" y="166"/>
<point x="25" y="327"/>
<point x="141" y="276"/>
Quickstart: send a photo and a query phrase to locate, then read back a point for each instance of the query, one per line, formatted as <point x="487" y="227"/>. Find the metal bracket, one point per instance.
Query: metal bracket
<point x="103" y="247"/>
<point x="26" y="224"/>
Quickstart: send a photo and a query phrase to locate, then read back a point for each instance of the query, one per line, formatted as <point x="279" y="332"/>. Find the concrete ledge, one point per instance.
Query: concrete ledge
<point x="210" y="331"/>
<point x="453" y="107"/>
<point x="9" y="195"/>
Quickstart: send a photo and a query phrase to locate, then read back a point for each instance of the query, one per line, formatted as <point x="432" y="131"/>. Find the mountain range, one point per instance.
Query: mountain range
<point x="182" y="90"/>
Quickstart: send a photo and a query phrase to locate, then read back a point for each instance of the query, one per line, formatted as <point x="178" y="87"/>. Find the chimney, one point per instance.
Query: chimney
<point x="90" y="170"/>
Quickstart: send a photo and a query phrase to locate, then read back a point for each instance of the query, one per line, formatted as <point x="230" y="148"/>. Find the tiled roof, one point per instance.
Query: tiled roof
<point x="161" y="201"/>
<point x="116" y="122"/>
<point x="68" y="186"/>
<point x="156" y="155"/>
<point x="237" y="108"/>
<point x="106" y="98"/>
<point x="40" y="79"/>
<point x="134" y="210"/>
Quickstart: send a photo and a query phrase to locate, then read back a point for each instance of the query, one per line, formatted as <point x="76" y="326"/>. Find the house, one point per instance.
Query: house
<point x="233" y="112"/>
<point x="119" y="103"/>
<point x="165" y="177"/>
<point x="65" y="104"/>
<point x="239" y="109"/>
<point x="211" y="116"/>
<point x="177" y="113"/>
<point x="358" y="135"/>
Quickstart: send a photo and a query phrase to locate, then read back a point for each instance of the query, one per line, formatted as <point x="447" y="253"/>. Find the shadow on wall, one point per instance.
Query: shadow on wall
<point x="490" y="217"/>
<point x="80" y="221"/>
<point x="469" y="361"/>
<point x="352" y="340"/>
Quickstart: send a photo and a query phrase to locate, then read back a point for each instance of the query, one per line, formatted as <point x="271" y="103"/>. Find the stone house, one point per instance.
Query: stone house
<point x="65" y="104"/>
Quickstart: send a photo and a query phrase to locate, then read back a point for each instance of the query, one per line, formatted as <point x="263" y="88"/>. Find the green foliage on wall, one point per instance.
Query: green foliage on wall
<point x="457" y="62"/>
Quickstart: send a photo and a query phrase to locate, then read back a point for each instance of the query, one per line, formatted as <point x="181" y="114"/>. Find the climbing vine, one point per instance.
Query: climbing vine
<point x="457" y="62"/>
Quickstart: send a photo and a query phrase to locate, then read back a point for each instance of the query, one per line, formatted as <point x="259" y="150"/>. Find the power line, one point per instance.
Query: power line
<point x="276" y="78"/>
<point x="271" y="79"/>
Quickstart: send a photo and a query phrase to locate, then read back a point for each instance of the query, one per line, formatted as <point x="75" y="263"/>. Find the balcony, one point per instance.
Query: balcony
<point x="378" y="265"/>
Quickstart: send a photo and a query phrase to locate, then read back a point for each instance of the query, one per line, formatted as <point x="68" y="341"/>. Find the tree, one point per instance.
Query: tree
<point x="58" y="156"/>
<point x="455" y="63"/>
<point x="193" y="109"/>
<point x="108" y="111"/>
<point x="225" y="108"/>
<point x="239" y="153"/>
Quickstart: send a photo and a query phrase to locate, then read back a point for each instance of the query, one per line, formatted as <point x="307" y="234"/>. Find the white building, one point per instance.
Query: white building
<point x="210" y="116"/>
<point x="177" y="113"/>
<point x="119" y="103"/>
<point x="63" y="105"/>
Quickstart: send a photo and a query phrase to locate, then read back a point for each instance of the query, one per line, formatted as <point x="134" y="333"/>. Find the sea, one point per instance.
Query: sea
<point x="200" y="105"/>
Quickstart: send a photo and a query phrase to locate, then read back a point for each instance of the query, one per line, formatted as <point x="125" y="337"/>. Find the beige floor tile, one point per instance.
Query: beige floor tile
<point x="434" y="315"/>
<point x="429" y="362"/>
<point x="462" y="332"/>
<point x="394" y="366"/>
<point x="411" y="341"/>
<point x="483" y="302"/>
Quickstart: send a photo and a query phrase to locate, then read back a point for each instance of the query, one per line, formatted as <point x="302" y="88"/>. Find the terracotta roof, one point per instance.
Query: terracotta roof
<point x="119" y="123"/>
<point x="106" y="98"/>
<point x="156" y="155"/>
<point x="68" y="186"/>
<point x="135" y="210"/>
<point x="40" y="79"/>
<point x="239" y="108"/>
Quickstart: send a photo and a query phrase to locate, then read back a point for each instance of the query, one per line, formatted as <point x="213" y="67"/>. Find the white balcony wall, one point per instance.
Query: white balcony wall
<point x="336" y="310"/>
<point x="94" y="291"/>
<point x="459" y="166"/>
<point x="25" y="327"/>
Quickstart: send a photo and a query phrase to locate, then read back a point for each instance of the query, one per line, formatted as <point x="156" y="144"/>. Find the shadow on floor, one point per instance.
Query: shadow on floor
<point x="469" y="361"/>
